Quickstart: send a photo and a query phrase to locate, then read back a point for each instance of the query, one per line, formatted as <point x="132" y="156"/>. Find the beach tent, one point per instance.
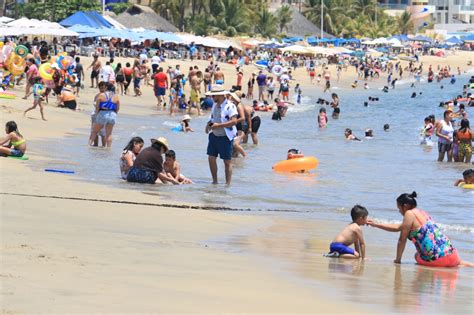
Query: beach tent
<point x="251" y="43"/>
<point x="24" y="26"/>
<point x="293" y="39"/>
<point x="91" y="18"/>
<point x="421" y="38"/>
<point x="5" y="19"/>
<point x="469" y="38"/>
<point x="454" y="41"/>
<point x="402" y="38"/>
<point x="297" y="49"/>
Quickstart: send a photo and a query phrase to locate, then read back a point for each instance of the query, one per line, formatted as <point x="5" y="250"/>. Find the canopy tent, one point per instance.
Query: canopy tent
<point x="421" y="38"/>
<point x="297" y="49"/>
<point x="469" y="38"/>
<point x="5" y="19"/>
<point x="454" y="41"/>
<point x="293" y="39"/>
<point x="402" y="38"/>
<point x="24" y="26"/>
<point x="91" y="18"/>
<point x="203" y="41"/>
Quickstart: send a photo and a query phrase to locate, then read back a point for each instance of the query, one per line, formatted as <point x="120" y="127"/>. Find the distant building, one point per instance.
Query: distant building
<point x="450" y="15"/>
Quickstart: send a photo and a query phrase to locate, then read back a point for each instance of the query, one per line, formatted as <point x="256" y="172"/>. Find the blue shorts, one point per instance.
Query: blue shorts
<point x="136" y="83"/>
<point x="220" y="146"/>
<point x="160" y="91"/>
<point x="220" y="82"/>
<point x="341" y="249"/>
<point x="16" y="153"/>
<point x="138" y="175"/>
<point x="106" y="117"/>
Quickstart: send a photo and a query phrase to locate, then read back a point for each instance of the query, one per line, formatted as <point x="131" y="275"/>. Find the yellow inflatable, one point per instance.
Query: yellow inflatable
<point x="15" y="64"/>
<point x="468" y="186"/>
<point x="303" y="164"/>
<point x="46" y="72"/>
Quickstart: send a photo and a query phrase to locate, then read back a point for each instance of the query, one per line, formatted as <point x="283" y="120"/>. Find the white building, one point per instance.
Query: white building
<point x="453" y="11"/>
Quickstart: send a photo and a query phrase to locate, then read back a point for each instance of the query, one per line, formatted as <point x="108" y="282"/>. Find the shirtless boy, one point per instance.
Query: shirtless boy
<point x="351" y="234"/>
<point x="172" y="168"/>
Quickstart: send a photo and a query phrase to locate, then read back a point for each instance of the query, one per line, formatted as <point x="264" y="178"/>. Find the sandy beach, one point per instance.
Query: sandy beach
<point x="67" y="248"/>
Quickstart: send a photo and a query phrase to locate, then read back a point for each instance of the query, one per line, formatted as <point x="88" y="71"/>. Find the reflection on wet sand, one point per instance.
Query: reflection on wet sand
<point x="376" y="283"/>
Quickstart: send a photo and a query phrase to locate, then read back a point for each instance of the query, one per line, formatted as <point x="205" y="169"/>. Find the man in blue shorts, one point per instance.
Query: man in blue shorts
<point x="222" y="131"/>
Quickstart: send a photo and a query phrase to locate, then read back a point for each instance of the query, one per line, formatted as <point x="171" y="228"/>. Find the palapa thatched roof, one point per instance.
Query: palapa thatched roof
<point x="140" y="16"/>
<point x="300" y="26"/>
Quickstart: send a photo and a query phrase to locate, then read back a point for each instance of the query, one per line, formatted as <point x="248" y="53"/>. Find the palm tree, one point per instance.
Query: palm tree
<point x="365" y="7"/>
<point x="405" y="23"/>
<point x="332" y="10"/>
<point x="284" y="16"/>
<point x="266" y="23"/>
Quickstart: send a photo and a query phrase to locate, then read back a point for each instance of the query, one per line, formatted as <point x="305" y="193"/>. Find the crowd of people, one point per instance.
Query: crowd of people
<point x="232" y="122"/>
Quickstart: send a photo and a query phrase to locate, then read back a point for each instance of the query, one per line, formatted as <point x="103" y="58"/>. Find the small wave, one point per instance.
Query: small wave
<point x="444" y="227"/>
<point x="171" y="123"/>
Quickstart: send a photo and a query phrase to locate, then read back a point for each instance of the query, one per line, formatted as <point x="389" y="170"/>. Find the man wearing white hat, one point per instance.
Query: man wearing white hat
<point x="222" y="131"/>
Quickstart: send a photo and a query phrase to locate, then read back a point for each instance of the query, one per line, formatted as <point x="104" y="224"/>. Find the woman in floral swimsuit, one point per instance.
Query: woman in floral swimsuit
<point x="433" y="248"/>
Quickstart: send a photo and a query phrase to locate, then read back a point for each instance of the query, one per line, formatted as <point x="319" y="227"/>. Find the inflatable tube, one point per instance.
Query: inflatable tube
<point x="46" y="72"/>
<point x="467" y="186"/>
<point x="296" y="165"/>
<point x="7" y="95"/>
<point x="23" y="158"/>
<point x="178" y="128"/>
<point x="15" y="64"/>
<point x="21" y="51"/>
<point x="277" y="70"/>
<point x="471" y="85"/>
<point x="263" y="108"/>
<point x="58" y="171"/>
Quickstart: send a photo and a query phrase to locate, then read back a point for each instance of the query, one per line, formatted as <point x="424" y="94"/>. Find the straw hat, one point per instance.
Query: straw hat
<point x="161" y="140"/>
<point x="217" y="89"/>
<point x="235" y="97"/>
<point x="186" y="117"/>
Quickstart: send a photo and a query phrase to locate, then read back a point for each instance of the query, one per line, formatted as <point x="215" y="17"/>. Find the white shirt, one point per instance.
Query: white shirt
<point x="228" y="110"/>
<point x="143" y="57"/>
<point x="155" y="60"/>
<point x="106" y="72"/>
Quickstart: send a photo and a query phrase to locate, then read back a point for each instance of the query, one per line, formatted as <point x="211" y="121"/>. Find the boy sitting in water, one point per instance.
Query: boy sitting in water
<point x="351" y="234"/>
<point x="172" y="168"/>
<point x="468" y="178"/>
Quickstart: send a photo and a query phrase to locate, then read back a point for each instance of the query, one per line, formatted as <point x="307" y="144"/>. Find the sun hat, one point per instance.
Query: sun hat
<point x="161" y="140"/>
<point x="186" y="117"/>
<point x="235" y="97"/>
<point x="217" y="89"/>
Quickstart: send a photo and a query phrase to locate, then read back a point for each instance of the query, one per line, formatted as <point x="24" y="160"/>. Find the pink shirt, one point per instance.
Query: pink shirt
<point x="32" y="71"/>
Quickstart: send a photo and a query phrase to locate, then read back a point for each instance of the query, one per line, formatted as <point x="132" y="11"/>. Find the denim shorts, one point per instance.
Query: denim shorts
<point x="16" y="153"/>
<point x="138" y="175"/>
<point x="106" y="117"/>
<point x="220" y="146"/>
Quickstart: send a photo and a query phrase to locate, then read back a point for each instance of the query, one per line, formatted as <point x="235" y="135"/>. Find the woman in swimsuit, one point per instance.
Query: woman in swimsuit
<point x="107" y="106"/>
<point x="433" y="247"/>
<point x="444" y="131"/>
<point x="15" y="143"/>
<point x="465" y="136"/>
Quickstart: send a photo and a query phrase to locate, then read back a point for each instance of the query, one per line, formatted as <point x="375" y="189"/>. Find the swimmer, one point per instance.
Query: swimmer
<point x="369" y="134"/>
<point x="366" y="86"/>
<point x="413" y="95"/>
<point x="185" y="124"/>
<point x="293" y="154"/>
<point x="354" y="85"/>
<point x="172" y="168"/>
<point x="349" y="136"/>
<point x="468" y="178"/>
<point x="427" y="131"/>
<point x="394" y="81"/>
<point x="385" y="89"/>
<point x="351" y="234"/>
<point x="386" y="127"/>
<point x="322" y="118"/>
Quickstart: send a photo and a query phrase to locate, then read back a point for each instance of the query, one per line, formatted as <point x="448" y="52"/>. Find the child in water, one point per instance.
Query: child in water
<point x="322" y="118"/>
<point x="351" y="234"/>
<point x="13" y="144"/>
<point x="38" y="97"/>
<point x="293" y="154"/>
<point x="349" y="136"/>
<point x="427" y="131"/>
<point x="172" y="168"/>
<point x="298" y="97"/>
<point x="468" y="178"/>
<point x="185" y="124"/>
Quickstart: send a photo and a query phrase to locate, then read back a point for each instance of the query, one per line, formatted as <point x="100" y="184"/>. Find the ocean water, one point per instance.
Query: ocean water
<point x="371" y="173"/>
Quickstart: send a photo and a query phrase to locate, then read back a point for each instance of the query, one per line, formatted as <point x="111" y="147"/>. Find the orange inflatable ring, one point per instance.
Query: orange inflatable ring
<point x="15" y="64"/>
<point x="46" y="72"/>
<point x="296" y="165"/>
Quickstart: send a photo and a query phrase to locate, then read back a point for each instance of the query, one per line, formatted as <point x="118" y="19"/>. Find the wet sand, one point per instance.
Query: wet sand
<point x="84" y="256"/>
